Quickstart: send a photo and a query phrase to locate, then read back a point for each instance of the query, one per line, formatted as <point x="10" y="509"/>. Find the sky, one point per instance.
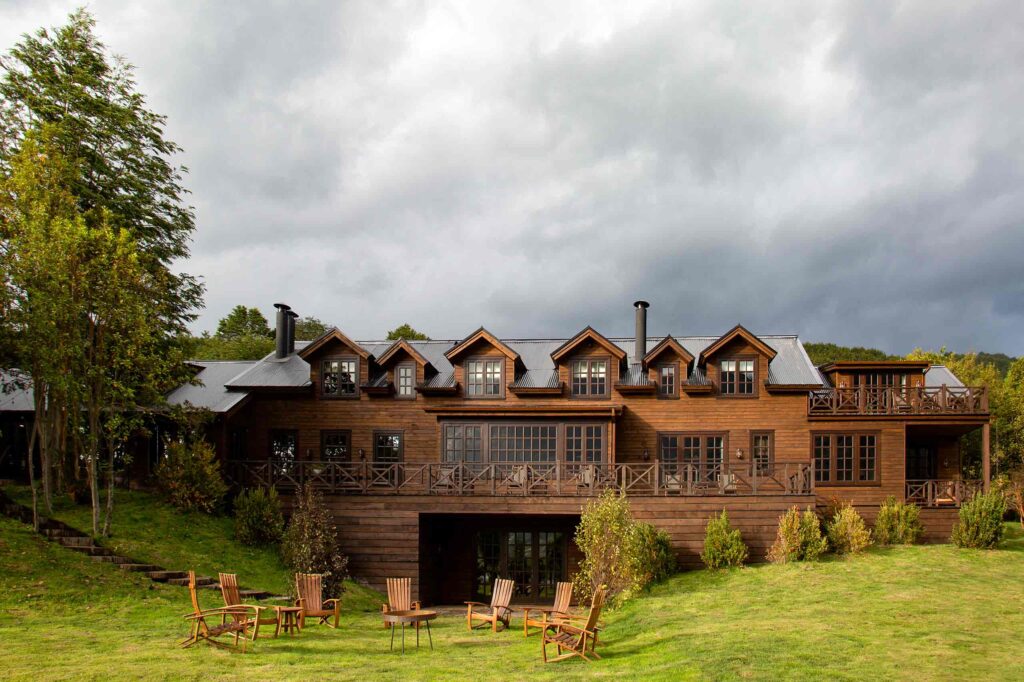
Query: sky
<point x="847" y="171"/>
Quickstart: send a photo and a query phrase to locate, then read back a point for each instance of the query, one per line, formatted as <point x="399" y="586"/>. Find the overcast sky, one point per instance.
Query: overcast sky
<point x="851" y="172"/>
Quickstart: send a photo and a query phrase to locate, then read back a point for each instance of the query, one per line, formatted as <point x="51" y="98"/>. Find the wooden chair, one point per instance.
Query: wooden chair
<point x="205" y="629"/>
<point x="499" y="609"/>
<point x="573" y="640"/>
<point x="232" y="597"/>
<point x="560" y="609"/>
<point x="399" y="598"/>
<point x="309" y="590"/>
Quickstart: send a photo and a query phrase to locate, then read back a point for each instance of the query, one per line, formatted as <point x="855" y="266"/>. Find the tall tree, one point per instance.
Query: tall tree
<point x="406" y="331"/>
<point x="242" y="321"/>
<point x="309" y="328"/>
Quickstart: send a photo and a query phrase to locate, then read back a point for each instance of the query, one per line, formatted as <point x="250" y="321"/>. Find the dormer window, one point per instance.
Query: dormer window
<point x="483" y="378"/>
<point x="668" y="381"/>
<point x="736" y="377"/>
<point x="338" y="377"/>
<point x="589" y="378"/>
<point x="405" y="380"/>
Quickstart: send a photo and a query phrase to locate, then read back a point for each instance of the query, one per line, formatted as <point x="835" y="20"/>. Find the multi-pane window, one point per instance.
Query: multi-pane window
<point x="387" y="447"/>
<point x="284" y="446"/>
<point x="584" y="443"/>
<point x="338" y="377"/>
<point x="736" y="377"/>
<point x="405" y="381"/>
<point x="668" y="386"/>
<point x="589" y="378"/>
<point x="701" y="455"/>
<point x="531" y="443"/>
<point x="845" y="458"/>
<point x="335" y="446"/>
<point x="761" y="452"/>
<point x="483" y="378"/>
<point x="462" y="442"/>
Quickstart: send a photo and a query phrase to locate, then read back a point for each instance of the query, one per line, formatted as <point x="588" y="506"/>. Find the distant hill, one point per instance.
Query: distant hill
<point x="1002" y="361"/>
<point x="822" y="353"/>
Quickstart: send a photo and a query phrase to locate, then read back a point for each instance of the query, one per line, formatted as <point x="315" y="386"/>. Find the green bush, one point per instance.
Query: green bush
<point x="258" y="518"/>
<point x="898" y="523"/>
<point x="189" y="477"/>
<point x="310" y="543"/>
<point x="799" y="538"/>
<point x="981" y="521"/>
<point x="723" y="545"/>
<point x="847" y="533"/>
<point x="652" y="555"/>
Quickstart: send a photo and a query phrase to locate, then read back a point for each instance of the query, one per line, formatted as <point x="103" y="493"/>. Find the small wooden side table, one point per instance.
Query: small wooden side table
<point x="413" y="618"/>
<point x="288" y="619"/>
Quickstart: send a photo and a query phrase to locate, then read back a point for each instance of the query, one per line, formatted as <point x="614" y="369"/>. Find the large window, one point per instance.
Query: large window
<point x="700" y="454"/>
<point x="736" y="377"/>
<point x="589" y="378"/>
<point x="668" y="381"/>
<point x="584" y="443"/>
<point x="530" y="443"/>
<point x="336" y="446"/>
<point x="405" y="380"/>
<point x="845" y="458"/>
<point x="761" y="455"/>
<point x="338" y="377"/>
<point x="463" y="443"/>
<point x="284" y="447"/>
<point x="387" y="447"/>
<point x="483" y="378"/>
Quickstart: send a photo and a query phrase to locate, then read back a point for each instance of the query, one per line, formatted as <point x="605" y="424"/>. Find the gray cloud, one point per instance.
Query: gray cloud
<point x="849" y="171"/>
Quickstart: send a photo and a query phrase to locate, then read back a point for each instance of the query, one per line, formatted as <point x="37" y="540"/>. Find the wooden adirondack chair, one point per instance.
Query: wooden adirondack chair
<point x="560" y="609"/>
<point x="399" y="598"/>
<point x="309" y="589"/>
<point x="204" y="627"/>
<point x="499" y="609"/>
<point x="232" y="597"/>
<point x="573" y="640"/>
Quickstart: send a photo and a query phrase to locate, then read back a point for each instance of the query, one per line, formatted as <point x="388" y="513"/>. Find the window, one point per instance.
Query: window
<point x="761" y="452"/>
<point x="463" y="442"/>
<point x="483" y="378"/>
<point x="284" y="446"/>
<point x="702" y="455"/>
<point x="535" y="443"/>
<point x="584" y="443"/>
<point x="387" y="447"/>
<point x="589" y="378"/>
<point x="405" y="380"/>
<point x="668" y="386"/>
<point x="338" y="377"/>
<point x="845" y="458"/>
<point x="736" y="377"/>
<point x="335" y="446"/>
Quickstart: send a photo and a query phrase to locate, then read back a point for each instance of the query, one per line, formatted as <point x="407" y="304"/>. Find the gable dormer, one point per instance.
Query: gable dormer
<point x="483" y="365"/>
<point x="339" y="367"/>
<point x="668" y="366"/>
<point x="588" y="364"/>
<point x="736" y="364"/>
<point x="404" y="369"/>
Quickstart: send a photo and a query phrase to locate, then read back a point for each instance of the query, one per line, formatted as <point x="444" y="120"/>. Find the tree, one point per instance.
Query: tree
<point x="208" y="347"/>
<point x="309" y="328"/>
<point x="242" y="321"/>
<point x="822" y="353"/>
<point x="406" y="331"/>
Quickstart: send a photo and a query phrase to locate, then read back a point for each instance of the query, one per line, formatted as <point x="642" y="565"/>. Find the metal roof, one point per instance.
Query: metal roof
<point x="270" y="372"/>
<point x="636" y="375"/>
<point x="15" y="391"/>
<point x="442" y="380"/>
<point x="699" y="377"/>
<point x="537" y="378"/>
<point x="212" y="394"/>
<point x="937" y="375"/>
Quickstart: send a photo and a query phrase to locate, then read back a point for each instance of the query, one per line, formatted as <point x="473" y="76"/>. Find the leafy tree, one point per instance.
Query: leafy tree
<point x="823" y="353"/>
<point x="309" y="328"/>
<point x="208" y="347"/>
<point x="406" y="331"/>
<point x="242" y="321"/>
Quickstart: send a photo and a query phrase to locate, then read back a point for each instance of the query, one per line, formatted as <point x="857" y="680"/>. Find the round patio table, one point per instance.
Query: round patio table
<point x="413" y="618"/>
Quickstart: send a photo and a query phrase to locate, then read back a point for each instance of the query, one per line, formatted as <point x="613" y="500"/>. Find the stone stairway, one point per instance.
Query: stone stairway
<point x="77" y="541"/>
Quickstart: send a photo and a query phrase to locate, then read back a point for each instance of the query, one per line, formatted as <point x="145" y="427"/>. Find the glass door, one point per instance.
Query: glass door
<point x="535" y="560"/>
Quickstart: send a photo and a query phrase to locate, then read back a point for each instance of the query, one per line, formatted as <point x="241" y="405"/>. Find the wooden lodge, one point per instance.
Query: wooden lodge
<point x="453" y="462"/>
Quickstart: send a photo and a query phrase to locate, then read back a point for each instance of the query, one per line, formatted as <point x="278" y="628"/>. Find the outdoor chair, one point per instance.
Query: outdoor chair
<point x="559" y="610"/>
<point x="499" y="610"/>
<point x="232" y="597"/>
<point x="572" y="640"/>
<point x="204" y="626"/>
<point x="310" y="598"/>
<point x="399" y="598"/>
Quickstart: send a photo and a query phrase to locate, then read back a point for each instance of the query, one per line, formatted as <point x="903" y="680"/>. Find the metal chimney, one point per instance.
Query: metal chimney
<point x="641" y="330"/>
<point x="292" y="316"/>
<point x="281" y="331"/>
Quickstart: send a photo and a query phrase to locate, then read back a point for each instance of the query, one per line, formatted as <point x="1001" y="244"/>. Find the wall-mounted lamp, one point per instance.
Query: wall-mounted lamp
<point x="646" y="455"/>
<point x="739" y="453"/>
<point x="362" y="455"/>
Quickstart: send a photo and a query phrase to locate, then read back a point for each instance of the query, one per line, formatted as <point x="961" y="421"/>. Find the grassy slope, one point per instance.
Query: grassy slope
<point x="910" y="613"/>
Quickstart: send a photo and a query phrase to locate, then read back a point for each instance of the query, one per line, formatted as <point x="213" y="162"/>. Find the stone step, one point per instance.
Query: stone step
<point x="138" y="568"/>
<point x="253" y="594"/>
<point x="91" y="550"/>
<point x="201" y="581"/>
<point x="163" y="576"/>
<point x="75" y="541"/>
<point x="111" y="559"/>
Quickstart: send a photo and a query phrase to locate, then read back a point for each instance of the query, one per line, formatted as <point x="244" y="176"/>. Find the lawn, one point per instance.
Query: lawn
<point x="930" y="612"/>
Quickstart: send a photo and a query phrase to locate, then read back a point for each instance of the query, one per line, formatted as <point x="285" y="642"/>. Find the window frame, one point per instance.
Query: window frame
<point x="590" y="360"/>
<point x="398" y="385"/>
<point x="401" y="446"/>
<point x="355" y="377"/>
<point x="702" y="436"/>
<point x="856" y="436"/>
<point x="584" y="451"/>
<point x="674" y="394"/>
<point x="463" y="439"/>
<point x="721" y="382"/>
<point x="325" y="433"/>
<point x="285" y="467"/>
<point x="559" y="448"/>
<point x="500" y="395"/>
<point x="771" y="451"/>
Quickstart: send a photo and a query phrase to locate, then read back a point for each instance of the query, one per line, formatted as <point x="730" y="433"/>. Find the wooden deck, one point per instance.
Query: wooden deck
<point x="904" y="401"/>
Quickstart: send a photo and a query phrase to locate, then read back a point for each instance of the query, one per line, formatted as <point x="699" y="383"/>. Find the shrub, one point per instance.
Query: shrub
<point x="258" y="518"/>
<point x="1012" y="487"/>
<point x="799" y="538"/>
<point x="723" y="545"/>
<point x="310" y="543"/>
<point x="847" y="533"/>
<point x="981" y="521"/>
<point x="652" y="555"/>
<point x="898" y="523"/>
<point x="189" y="477"/>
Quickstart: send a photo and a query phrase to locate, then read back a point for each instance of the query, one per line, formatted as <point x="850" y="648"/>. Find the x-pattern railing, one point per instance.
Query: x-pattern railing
<point x="896" y="400"/>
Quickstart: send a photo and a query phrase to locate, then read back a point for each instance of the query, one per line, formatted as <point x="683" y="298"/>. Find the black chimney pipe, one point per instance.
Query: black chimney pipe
<point x="292" y="316"/>
<point x="640" y="350"/>
<point x="281" y="335"/>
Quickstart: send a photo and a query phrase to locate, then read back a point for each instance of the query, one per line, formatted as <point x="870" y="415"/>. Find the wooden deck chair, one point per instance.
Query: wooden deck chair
<point x="560" y="609"/>
<point x="309" y="590"/>
<point x="232" y="597"/>
<point x="399" y="598"/>
<point x="499" y="609"/>
<point x="204" y="627"/>
<point x="574" y="640"/>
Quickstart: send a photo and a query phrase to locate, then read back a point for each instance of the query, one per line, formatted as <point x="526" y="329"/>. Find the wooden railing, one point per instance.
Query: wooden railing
<point x="917" y="400"/>
<point x="526" y="479"/>
<point x="942" y="493"/>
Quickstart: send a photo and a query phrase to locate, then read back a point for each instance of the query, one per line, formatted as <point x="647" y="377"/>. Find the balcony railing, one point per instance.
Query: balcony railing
<point x="942" y="493"/>
<point x="526" y="479"/>
<point x="887" y="400"/>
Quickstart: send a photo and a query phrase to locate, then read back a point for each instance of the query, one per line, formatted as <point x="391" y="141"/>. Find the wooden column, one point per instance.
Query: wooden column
<point x="986" y="456"/>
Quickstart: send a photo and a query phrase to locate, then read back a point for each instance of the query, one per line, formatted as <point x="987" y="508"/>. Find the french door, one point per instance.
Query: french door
<point x="534" y="559"/>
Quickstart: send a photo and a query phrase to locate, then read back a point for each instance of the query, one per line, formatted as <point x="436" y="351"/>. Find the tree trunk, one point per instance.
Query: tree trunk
<point x="32" y="475"/>
<point x="110" y="491"/>
<point x="92" y="458"/>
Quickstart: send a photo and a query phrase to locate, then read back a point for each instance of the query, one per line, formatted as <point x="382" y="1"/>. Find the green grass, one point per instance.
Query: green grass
<point x="928" y="612"/>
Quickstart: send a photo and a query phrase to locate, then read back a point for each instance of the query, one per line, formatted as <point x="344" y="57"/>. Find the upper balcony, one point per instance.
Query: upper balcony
<point x="898" y="401"/>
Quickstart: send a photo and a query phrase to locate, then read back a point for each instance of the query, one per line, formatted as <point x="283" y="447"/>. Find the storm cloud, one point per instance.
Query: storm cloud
<point x="852" y="172"/>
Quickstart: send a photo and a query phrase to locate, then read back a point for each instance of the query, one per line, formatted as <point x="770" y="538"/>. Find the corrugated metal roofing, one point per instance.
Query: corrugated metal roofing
<point x="537" y="378"/>
<point x="212" y="394"/>
<point x="289" y="372"/>
<point x="698" y="377"/>
<point x="442" y="380"/>
<point x="15" y="392"/>
<point x="636" y="375"/>
<point x="379" y="381"/>
<point x="937" y="375"/>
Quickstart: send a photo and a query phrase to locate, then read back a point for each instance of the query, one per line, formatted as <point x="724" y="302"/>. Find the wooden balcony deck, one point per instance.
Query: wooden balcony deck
<point x="898" y="401"/>
<point x="942" y="493"/>
<point x="526" y="479"/>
